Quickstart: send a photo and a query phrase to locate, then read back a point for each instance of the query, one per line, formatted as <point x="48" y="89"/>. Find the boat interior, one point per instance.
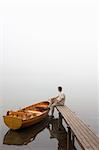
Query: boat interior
<point x="29" y="112"/>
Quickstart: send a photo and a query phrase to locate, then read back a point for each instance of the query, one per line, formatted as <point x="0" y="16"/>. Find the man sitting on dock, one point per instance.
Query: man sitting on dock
<point x="57" y="101"/>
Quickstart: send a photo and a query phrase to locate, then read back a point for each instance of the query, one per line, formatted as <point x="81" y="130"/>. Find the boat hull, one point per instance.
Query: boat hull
<point x="17" y="123"/>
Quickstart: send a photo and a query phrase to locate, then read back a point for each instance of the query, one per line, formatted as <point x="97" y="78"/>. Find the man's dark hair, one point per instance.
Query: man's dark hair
<point x="60" y="88"/>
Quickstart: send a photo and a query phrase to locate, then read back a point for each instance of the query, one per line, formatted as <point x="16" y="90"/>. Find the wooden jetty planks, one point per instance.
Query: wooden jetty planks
<point x="93" y="138"/>
<point x="87" y="139"/>
<point x="77" y="133"/>
<point x="84" y="135"/>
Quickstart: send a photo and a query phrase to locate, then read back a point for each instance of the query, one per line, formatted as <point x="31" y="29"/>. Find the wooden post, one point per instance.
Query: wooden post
<point x="73" y="139"/>
<point x="68" y="137"/>
<point x="60" y="121"/>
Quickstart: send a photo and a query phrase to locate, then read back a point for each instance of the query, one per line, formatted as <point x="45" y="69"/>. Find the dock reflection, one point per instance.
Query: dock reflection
<point x="59" y="133"/>
<point x="27" y="135"/>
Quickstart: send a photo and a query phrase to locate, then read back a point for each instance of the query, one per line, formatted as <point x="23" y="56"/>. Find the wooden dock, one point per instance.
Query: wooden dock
<point x="78" y="130"/>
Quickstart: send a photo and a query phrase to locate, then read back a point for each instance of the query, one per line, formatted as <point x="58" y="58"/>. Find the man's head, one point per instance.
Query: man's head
<point x="59" y="88"/>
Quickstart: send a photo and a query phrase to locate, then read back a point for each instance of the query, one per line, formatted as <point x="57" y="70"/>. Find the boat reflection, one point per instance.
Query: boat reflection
<point x="27" y="135"/>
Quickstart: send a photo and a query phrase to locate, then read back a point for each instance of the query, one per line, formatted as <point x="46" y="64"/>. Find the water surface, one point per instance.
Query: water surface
<point x="42" y="136"/>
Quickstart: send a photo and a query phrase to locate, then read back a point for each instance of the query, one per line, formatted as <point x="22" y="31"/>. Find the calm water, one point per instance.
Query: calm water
<point x="82" y="101"/>
<point x="42" y="136"/>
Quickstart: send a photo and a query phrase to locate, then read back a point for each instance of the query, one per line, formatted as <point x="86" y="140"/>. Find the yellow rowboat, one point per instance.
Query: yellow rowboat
<point x="27" y="116"/>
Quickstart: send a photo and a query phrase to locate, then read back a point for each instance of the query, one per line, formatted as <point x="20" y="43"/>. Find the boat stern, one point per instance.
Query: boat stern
<point x="12" y="123"/>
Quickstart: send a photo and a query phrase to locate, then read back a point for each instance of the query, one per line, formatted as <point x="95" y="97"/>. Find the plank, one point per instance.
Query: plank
<point x="79" y="125"/>
<point x="81" y="131"/>
<point x="85" y="129"/>
<point x="85" y="136"/>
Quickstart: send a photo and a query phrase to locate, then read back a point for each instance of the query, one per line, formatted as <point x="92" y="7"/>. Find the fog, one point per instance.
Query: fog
<point x="44" y="44"/>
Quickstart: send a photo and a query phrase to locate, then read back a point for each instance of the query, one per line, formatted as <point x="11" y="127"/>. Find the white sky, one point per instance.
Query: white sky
<point x="49" y="42"/>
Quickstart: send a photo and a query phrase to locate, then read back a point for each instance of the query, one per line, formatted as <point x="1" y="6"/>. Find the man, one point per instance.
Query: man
<point x="57" y="101"/>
